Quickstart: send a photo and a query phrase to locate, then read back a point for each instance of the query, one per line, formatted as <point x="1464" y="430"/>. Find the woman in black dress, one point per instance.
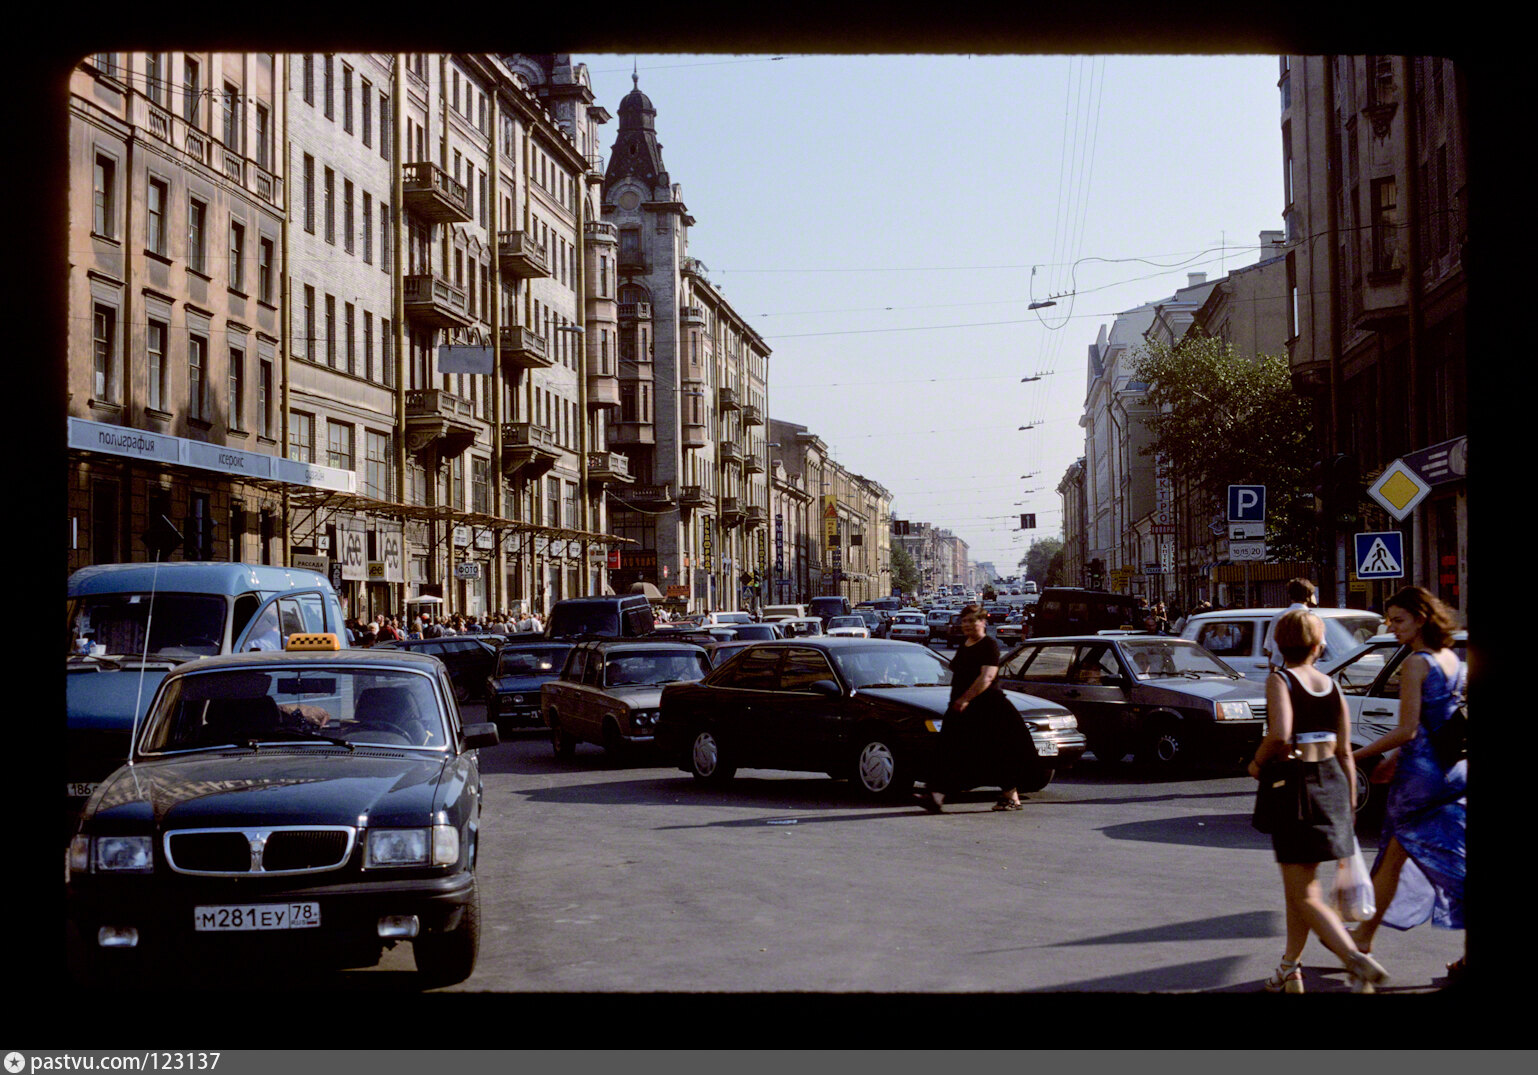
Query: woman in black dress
<point x="983" y="741"/>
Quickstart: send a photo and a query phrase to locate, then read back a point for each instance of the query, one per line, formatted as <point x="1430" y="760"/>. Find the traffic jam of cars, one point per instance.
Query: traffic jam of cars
<point x="241" y="783"/>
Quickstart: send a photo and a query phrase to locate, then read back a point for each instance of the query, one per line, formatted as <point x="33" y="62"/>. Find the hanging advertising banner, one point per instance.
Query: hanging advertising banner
<point x="830" y="520"/>
<point x="389" y="544"/>
<point x="351" y="536"/>
<point x="779" y="544"/>
<point x="705" y="542"/>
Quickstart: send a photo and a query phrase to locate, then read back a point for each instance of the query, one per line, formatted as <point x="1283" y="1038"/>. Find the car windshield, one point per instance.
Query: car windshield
<point x="650" y="669"/>
<point x="901" y="665"/>
<point x="582" y="618"/>
<point x="1342" y="634"/>
<point x="353" y="706"/>
<point x="1170" y="658"/>
<point x="907" y="617"/>
<point x="531" y="662"/>
<point x="184" y="625"/>
<point x="845" y="621"/>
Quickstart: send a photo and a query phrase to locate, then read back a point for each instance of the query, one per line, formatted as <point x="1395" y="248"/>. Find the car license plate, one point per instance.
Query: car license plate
<point x="79" y="791"/>
<point x="246" y="917"/>
<point x="1046" y="750"/>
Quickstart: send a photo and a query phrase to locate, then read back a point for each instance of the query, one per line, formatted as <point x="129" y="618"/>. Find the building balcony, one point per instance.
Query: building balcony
<point x="692" y="315"/>
<point x="756" y="515"/>
<point x="434" y="195"/>
<point x="695" y="266"/>
<point x="632" y="433"/>
<point x="694" y="496"/>
<point x="727" y="399"/>
<point x="696" y="435"/>
<point x="730" y="453"/>
<point x="635" y="311"/>
<point x="730" y="512"/>
<point x="601" y="231"/>
<point x="602" y="388"/>
<point x="519" y="255"/>
<point x="653" y="497"/>
<point x="528" y="449"/>
<point x="437" y="420"/>
<point x="606" y="467"/>
<point x="632" y="262"/>
<point x="751" y="415"/>
<point x="432" y="300"/>
<point x="595" y="166"/>
<point x="752" y="463"/>
<point x="524" y="349"/>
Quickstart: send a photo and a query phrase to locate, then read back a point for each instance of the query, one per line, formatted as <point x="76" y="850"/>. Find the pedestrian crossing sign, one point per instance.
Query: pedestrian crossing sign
<point x="1380" y="555"/>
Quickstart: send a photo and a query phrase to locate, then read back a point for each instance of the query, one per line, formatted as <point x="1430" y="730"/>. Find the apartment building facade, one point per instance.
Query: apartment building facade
<point x="1376" y="197"/>
<point x="692" y="379"/>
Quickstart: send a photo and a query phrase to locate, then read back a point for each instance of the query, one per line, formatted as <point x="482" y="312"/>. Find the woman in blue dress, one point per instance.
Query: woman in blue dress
<point x="1419" y="872"/>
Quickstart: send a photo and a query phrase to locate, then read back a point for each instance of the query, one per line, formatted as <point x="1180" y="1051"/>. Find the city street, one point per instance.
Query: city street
<point x="600" y="877"/>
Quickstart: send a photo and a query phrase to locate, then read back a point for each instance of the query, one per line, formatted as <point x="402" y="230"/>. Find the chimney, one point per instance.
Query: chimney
<point x="1194" y="278"/>
<point x="1272" y="243"/>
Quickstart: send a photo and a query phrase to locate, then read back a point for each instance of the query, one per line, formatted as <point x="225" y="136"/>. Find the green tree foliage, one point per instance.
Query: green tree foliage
<point x="1043" y="561"/>
<point x="905" y="573"/>
<point x="1223" y="419"/>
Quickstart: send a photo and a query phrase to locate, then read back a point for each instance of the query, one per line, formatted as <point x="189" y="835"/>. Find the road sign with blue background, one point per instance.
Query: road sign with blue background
<point x="1380" y="555"/>
<point x="1246" y="503"/>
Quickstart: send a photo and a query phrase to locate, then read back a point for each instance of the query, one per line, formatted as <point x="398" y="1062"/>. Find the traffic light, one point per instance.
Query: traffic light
<point x="1337" y="486"/>
<point x="1096" y="571"/>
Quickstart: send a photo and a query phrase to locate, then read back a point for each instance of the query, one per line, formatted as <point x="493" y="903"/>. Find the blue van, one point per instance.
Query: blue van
<point x="130" y="624"/>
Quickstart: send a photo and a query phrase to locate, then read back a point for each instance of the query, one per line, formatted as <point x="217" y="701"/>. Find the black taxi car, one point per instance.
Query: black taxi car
<point x="868" y="709"/>
<point x="311" y="803"/>
<point x="512" y="689"/>
<point x="1166" y="699"/>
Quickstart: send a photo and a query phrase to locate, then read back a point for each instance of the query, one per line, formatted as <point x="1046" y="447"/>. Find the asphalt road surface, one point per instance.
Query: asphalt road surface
<point x="605" y="876"/>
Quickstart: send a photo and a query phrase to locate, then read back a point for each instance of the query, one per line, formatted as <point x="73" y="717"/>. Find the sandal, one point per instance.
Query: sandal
<point x="1365" y="971"/>
<point x="1287" y="978"/>
<point x="933" y="801"/>
<point x="1008" y="804"/>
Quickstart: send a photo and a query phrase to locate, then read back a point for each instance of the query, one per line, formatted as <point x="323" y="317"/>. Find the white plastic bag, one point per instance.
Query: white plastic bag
<point x="1353" y="887"/>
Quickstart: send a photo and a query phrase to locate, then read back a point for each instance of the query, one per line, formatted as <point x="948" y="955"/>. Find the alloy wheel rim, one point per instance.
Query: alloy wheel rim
<point x="1167" y="747"/>
<point x="876" y="767"/>
<point x="706" y="754"/>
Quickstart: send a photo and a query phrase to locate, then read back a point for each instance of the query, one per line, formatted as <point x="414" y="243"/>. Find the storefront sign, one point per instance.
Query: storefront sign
<point x="461" y="535"/>
<point x="637" y="558"/>
<point x="350" y="536"/>
<point x="376" y="571"/>
<point x="613" y="559"/>
<point x="121" y="440"/>
<point x="390" y="546"/>
<point x="307" y="562"/>
<point x="484" y="539"/>
<point x="471" y="570"/>
<point x="830" y="520"/>
<point x="314" y="475"/>
<point x="237" y="464"/>
<point x="127" y="442"/>
<point x="705" y="543"/>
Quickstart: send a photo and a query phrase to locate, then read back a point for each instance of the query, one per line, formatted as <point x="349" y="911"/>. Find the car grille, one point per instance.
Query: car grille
<point x="227" y="852"/>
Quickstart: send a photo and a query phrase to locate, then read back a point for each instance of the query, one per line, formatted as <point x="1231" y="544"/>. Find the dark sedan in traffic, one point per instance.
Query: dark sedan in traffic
<point x="868" y="709"/>
<point x="468" y="659"/>
<point x="1166" y="699"/>
<point x="512" y="689"/>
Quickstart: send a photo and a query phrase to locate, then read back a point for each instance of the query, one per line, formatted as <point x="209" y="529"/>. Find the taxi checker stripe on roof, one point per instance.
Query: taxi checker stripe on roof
<point x="312" y="642"/>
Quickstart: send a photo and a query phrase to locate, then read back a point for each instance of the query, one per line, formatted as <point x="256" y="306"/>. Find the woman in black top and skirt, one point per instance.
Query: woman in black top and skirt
<point x="983" y="742"/>
<point x="1307" y="718"/>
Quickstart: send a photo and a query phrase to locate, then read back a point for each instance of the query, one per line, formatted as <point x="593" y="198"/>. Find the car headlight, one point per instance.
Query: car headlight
<point x="1054" y="723"/>
<point x="127" y="854"/>
<point x="396" y="847"/>
<point x="1235" y="711"/>
<point x="518" y="699"/>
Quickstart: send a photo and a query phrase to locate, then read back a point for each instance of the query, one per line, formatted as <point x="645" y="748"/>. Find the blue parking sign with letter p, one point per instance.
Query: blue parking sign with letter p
<point x="1246" y="503"/>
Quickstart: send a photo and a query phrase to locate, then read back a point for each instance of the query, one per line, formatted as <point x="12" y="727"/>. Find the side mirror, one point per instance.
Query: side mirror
<point x="826" y="688"/>
<point x="480" y="735"/>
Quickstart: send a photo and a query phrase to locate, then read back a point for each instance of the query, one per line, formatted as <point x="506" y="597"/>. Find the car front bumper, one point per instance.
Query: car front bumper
<point x="504" y="710"/>
<point x="1059" y="749"/>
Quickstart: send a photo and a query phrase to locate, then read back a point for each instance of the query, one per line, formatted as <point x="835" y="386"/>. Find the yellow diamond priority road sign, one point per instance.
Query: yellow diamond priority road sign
<point x="1399" y="489"/>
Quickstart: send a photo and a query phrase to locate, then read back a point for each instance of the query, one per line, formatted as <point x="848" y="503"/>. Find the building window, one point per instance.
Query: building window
<point x="309" y="322"/>
<point x="237" y="256"/>
<point x="309" y="79"/>
<point x="347" y="325"/>
<point x="102" y="194"/>
<point x="339" y="445"/>
<point x="232" y="123"/>
<point x="368" y="346"/>
<point x="154" y="77"/>
<point x="104" y="384"/>
<point x="197" y="370"/>
<point x="192" y="90"/>
<point x="478" y="486"/>
<point x="327" y="75"/>
<point x="385" y="246"/>
<point x="263" y="137"/>
<point x="104" y="522"/>
<point x="196" y="212"/>
<point x="331" y="331"/>
<point x="346" y="99"/>
<point x="199" y="529"/>
<point x="457" y="483"/>
<point x="552" y="502"/>
<point x="309" y="194"/>
<point x="264" y="271"/>
<point x="328" y="195"/>
<point x="1385" y="245"/>
<point x="264" y="399"/>
<point x="237" y="388"/>
<point x="378" y="479"/>
<point x="366" y="103"/>
<point x="367" y="231"/>
<point x="155" y="363"/>
<point x="155" y="221"/>
<point x="384" y="126"/>
<point x="301" y="437"/>
<point x="347" y="215"/>
<point x="386" y="352"/>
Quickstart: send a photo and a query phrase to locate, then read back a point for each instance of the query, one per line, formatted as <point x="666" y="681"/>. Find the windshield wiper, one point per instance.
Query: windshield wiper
<point x="298" y="733"/>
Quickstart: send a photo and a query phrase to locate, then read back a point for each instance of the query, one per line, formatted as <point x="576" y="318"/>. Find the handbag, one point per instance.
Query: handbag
<point x="1354" y="897"/>
<point x="1282" y="798"/>
<point x="1450" y="742"/>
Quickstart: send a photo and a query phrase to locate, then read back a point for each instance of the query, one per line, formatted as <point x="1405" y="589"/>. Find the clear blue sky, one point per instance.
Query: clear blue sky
<point x="884" y="222"/>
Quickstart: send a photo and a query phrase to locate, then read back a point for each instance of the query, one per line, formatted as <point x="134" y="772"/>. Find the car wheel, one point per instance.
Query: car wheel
<point x="561" y="741"/>
<point x="449" y="958"/>
<point x="878" y="769"/>
<point x="707" y="761"/>
<point x="1166" y="745"/>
